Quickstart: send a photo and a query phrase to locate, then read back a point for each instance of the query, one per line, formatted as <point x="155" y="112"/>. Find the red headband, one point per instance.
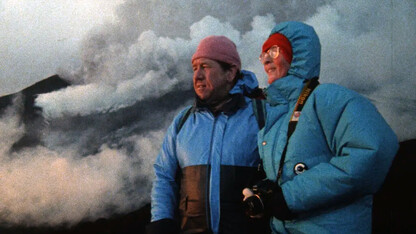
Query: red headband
<point x="283" y="43"/>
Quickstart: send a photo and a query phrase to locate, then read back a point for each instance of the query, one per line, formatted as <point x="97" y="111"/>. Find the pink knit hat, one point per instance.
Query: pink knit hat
<point x="218" y="48"/>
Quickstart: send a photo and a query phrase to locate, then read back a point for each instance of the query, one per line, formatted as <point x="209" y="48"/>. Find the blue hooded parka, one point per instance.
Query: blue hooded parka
<point x="216" y="156"/>
<point x="341" y="139"/>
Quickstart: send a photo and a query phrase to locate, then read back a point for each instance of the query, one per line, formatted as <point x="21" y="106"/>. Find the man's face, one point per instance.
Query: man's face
<point x="275" y="68"/>
<point x="211" y="82"/>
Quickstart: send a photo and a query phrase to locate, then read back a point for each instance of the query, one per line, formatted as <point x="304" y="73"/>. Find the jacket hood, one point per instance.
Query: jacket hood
<point x="246" y="85"/>
<point x="305" y="46"/>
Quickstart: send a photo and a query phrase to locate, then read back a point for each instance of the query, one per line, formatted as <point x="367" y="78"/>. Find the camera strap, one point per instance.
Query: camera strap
<point x="303" y="97"/>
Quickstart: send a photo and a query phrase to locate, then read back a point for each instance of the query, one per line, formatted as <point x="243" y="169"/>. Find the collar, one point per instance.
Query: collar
<point x="229" y="106"/>
<point x="284" y="90"/>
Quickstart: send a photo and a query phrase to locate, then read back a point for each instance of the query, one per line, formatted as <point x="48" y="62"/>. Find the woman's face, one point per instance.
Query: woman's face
<point x="276" y="66"/>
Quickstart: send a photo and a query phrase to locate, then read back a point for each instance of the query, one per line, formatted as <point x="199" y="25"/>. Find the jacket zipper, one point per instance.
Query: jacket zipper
<point x="208" y="206"/>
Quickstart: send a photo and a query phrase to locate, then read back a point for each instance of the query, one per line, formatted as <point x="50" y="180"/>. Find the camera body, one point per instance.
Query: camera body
<point x="258" y="198"/>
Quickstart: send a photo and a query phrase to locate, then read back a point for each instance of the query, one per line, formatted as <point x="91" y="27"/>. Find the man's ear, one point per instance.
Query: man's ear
<point x="231" y="74"/>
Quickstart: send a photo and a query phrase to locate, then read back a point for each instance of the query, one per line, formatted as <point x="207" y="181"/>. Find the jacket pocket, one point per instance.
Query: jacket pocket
<point x="192" y="208"/>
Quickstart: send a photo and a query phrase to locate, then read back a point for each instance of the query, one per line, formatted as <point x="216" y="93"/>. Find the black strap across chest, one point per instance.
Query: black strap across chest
<point x="303" y="97"/>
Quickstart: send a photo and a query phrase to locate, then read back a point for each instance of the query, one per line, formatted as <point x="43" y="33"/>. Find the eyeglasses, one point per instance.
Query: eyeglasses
<point x="273" y="52"/>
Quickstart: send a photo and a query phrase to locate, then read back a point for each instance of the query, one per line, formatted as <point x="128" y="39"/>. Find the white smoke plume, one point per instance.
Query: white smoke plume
<point x="45" y="186"/>
<point x="39" y="36"/>
<point x="102" y="134"/>
<point x="373" y="53"/>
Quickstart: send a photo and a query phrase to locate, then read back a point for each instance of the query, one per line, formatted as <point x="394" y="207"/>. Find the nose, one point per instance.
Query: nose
<point x="267" y="59"/>
<point x="198" y="74"/>
<point x="266" y="62"/>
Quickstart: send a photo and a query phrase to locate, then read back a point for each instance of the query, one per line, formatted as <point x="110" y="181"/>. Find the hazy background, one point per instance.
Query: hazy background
<point x="129" y="62"/>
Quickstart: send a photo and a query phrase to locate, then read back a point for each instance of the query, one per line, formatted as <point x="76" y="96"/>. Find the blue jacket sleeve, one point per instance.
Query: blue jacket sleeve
<point x="362" y="148"/>
<point x="164" y="196"/>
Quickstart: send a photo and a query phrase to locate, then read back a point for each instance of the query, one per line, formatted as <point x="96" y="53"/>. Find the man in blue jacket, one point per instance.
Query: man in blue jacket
<point x="210" y="151"/>
<point x="322" y="175"/>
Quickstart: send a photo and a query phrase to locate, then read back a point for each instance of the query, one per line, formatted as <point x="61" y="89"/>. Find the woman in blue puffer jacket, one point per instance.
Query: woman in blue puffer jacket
<point x="339" y="153"/>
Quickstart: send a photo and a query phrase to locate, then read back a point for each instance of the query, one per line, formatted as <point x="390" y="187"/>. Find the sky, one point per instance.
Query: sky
<point x="125" y="57"/>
